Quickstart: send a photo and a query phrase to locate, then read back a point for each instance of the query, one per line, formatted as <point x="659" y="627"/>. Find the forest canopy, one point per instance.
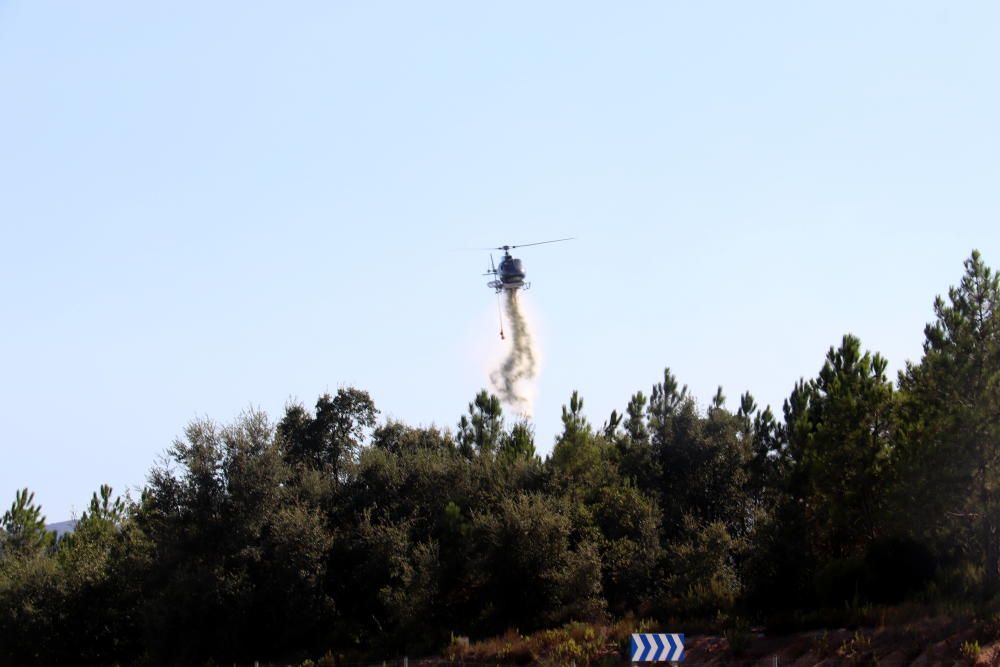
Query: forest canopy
<point x="328" y="528"/>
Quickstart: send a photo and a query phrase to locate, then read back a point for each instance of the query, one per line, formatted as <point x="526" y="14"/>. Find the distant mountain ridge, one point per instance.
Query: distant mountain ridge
<point x="61" y="528"/>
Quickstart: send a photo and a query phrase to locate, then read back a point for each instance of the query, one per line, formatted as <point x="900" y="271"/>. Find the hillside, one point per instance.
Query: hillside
<point x="939" y="639"/>
<point x="60" y="528"/>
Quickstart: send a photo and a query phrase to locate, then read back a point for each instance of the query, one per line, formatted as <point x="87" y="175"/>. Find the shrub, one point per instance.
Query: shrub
<point x="575" y="643"/>
<point x="989" y="629"/>
<point x="839" y="581"/>
<point x="738" y="635"/>
<point x="971" y="650"/>
<point x="706" y="581"/>
<point x="895" y="568"/>
<point x="457" y="649"/>
<point x="821" y="644"/>
<point x="620" y="633"/>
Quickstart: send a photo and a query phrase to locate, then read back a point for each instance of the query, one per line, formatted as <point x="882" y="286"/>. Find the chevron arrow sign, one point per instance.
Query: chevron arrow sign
<point x="657" y="648"/>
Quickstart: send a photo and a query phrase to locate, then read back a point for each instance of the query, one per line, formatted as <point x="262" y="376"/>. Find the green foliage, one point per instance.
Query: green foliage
<point x="949" y="457"/>
<point x="519" y="443"/>
<point x="230" y="532"/>
<point x="579" y="457"/>
<point x="738" y="635"/>
<point x="397" y="438"/>
<point x="30" y="600"/>
<point x="840" y="430"/>
<point x="576" y="643"/>
<point x="79" y="592"/>
<point x="839" y="581"/>
<point x="573" y="643"/>
<point x="539" y="577"/>
<point x="23" y="526"/>
<point x="630" y="548"/>
<point x="852" y="418"/>
<point x="706" y="580"/>
<point x="333" y="437"/>
<point x="480" y="432"/>
<point x="634" y="449"/>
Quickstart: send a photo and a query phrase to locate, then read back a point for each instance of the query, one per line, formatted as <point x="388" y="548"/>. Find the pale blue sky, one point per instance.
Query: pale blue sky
<point x="211" y="205"/>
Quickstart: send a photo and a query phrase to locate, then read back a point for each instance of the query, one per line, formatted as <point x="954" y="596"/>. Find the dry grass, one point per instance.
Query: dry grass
<point x="582" y="644"/>
<point x="859" y="635"/>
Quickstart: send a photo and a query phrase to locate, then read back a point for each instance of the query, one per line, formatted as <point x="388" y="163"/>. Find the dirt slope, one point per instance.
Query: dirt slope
<point x="936" y="641"/>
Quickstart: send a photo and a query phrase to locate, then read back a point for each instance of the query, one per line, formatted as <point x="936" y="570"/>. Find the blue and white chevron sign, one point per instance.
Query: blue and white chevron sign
<point x="657" y="648"/>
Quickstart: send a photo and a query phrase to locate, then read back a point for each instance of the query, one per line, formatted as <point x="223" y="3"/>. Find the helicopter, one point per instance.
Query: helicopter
<point x="510" y="275"/>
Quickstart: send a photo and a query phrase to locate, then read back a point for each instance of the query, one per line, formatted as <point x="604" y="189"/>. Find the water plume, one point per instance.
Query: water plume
<point x="513" y="380"/>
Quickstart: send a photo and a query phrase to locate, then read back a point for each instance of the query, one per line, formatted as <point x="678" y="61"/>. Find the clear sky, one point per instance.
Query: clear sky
<point x="206" y="206"/>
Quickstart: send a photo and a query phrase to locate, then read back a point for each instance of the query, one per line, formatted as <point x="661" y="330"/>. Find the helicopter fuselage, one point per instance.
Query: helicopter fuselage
<point x="509" y="275"/>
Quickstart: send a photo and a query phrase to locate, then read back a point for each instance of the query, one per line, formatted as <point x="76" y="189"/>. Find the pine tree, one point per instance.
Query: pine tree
<point x="840" y="428"/>
<point x="951" y="458"/>
<point x="24" y="527"/>
<point x="482" y="430"/>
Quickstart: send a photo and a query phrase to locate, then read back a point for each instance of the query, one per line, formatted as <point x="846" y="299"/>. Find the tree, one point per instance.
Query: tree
<point x="89" y="545"/>
<point x="760" y="430"/>
<point x="950" y="457"/>
<point x="30" y="588"/>
<point x="96" y="587"/>
<point x="673" y="426"/>
<point x="72" y="590"/>
<point x="705" y="580"/>
<point x="635" y="422"/>
<point x="333" y="437"/>
<point x="519" y="443"/>
<point x="240" y="558"/>
<point x="23" y="525"/>
<point x="699" y="458"/>
<point x="398" y="438"/>
<point x="481" y="431"/>
<point x="635" y="452"/>
<point x="629" y="543"/>
<point x="843" y="450"/>
<point x="531" y="573"/>
<point x="581" y="460"/>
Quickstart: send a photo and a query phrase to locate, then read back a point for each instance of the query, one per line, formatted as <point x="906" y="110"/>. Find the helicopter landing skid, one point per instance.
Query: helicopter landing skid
<point x="500" y="286"/>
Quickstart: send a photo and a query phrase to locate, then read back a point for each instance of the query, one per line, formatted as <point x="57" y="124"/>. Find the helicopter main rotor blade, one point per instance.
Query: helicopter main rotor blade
<point x="525" y="245"/>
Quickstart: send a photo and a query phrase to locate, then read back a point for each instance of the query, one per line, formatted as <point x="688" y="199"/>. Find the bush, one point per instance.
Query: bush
<point x="896" y="568"/>
<point x="738" y="635"/>
<point x="839" y="581"/>
<point x="509" y="647"/>
<point x="856" y="646"/>
<point x="821" y="644"/>
<point x="989" y="629"/>
<point x="576" y="643"/>
<point x="621" y="633"/>
<point x="706" y="581"/>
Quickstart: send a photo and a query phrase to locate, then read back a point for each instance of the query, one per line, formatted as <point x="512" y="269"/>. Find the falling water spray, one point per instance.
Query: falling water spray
<point x="514" y="378"/>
